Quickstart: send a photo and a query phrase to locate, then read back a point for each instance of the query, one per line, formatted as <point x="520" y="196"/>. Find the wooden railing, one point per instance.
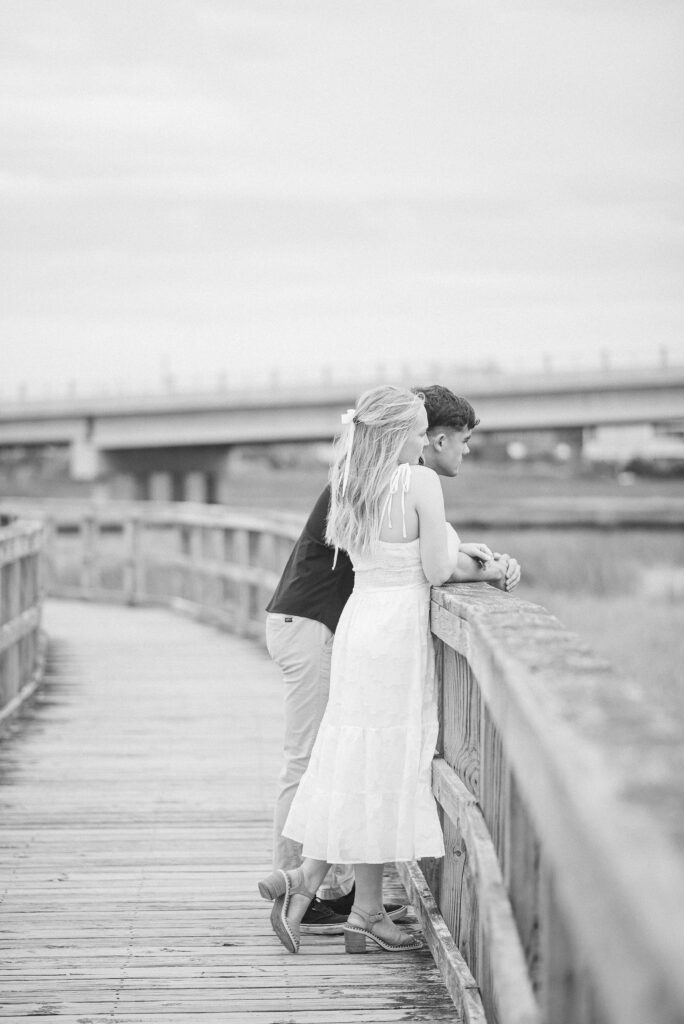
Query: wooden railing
<point x="217" y="564"/>
<point x="560" y="788"/>
<point x="21" y="592"/>
<point x="561" y="896"/>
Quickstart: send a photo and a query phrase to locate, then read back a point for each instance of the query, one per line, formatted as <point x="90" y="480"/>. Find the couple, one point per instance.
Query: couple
<point x="365" y="797"/>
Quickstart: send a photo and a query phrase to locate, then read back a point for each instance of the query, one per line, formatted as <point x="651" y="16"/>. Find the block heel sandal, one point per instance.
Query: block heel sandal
<point x="288" y="935"/>
<point x="355" y="936"/>
<point x="272" y="886"/>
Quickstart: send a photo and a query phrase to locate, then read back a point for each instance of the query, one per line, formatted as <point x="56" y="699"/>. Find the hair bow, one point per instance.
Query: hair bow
<point x="348" y="419"/>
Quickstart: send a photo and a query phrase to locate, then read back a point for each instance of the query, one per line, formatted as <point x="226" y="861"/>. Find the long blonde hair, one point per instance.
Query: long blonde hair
<point x="371" y="443"/>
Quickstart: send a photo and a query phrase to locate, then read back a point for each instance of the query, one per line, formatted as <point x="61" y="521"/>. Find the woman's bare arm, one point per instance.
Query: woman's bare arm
<point x="426" y="491"/>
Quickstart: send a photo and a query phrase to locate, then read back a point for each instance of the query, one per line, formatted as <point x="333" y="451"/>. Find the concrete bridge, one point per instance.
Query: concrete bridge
<point x="177" y="446"/>
<point x="136" y="767"/>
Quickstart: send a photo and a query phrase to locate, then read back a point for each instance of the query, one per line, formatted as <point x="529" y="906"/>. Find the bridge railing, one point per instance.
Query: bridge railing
<point x="21" y="594"/>
<point x="561" y="895"/>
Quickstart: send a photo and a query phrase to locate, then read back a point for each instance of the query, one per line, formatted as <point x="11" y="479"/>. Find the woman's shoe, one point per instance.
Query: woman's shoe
<point x="272" y="885"/>
<point x="343" y="905"/>
<point x="289" y="885"/>
<point x="355" y="935"/>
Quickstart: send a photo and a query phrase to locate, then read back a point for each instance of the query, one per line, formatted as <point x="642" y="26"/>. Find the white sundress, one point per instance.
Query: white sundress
<point x="366" y="796"/>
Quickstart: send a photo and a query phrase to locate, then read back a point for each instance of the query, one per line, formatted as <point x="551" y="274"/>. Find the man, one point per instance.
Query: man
<point x="451" y="421"/>
<point x="302" y="617"/>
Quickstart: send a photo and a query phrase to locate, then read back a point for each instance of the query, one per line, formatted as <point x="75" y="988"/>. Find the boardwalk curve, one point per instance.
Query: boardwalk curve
<point x="135" y="799"/>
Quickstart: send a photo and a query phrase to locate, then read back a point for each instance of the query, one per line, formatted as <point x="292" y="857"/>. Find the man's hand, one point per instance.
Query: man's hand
<point x="510" y="572"/>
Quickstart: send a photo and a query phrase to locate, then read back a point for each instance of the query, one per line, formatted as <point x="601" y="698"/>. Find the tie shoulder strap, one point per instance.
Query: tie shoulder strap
<point x="399" y="481"/>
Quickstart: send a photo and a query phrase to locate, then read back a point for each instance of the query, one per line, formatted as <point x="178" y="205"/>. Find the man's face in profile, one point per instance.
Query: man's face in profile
<point x="447" y="447"/>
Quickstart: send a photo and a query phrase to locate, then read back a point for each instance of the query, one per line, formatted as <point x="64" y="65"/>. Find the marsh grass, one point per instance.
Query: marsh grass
<point x="621" y="591"/>
<point x="642" y="639"/>
<point x="594" y="562"/>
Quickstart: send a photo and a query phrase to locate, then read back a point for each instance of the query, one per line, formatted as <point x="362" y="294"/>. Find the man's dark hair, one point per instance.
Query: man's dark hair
<point x="445" y="409"/>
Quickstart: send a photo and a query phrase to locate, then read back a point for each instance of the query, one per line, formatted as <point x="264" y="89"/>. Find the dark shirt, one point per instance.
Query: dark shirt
<point x="308" y="586"/>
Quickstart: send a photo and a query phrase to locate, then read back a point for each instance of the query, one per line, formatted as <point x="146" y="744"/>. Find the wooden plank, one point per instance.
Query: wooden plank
<point x="437" y="1014"/>
<point x="136" y="798"/>
<point x="502" y="968"/>
<point x="459" y="982"/>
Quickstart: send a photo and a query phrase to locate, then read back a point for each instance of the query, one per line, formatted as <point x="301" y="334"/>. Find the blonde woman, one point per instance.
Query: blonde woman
<point x="366" y="798"/>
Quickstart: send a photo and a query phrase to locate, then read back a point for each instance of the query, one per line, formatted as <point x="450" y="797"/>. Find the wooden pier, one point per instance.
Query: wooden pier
<point x="136" y="793"/>
<point x="136" y="782"/>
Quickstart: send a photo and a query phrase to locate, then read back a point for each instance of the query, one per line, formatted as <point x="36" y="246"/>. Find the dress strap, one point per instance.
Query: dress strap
<point x="400" y="480"/>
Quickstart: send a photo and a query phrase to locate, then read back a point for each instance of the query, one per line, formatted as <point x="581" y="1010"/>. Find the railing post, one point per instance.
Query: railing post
<point x="266" y="558"/>
<point x="216" y="584"/>
<point x="134" y="565"/>
<point x="48" y="567"/>
<point x="184" y="575"/>
<point x="10" y="677"/>
<point x="197" y="576"/>
<point x="242" y="589"/>
<point x="89" y="568"/>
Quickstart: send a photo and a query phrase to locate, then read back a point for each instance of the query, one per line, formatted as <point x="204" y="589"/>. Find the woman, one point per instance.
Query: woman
<point x="366" y="796"/>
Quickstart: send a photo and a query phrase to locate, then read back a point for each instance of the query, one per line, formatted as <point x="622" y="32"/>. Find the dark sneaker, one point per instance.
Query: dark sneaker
<point x="343" y="905"/>
<point x="320" y="919"/>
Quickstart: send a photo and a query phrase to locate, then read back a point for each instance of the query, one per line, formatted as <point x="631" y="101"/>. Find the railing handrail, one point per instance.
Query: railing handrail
<point x="67" y="511"/>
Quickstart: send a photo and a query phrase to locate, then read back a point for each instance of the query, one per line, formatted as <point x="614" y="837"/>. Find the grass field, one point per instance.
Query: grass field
<point x="642" y="639"/>
<point x="479" y="485"/>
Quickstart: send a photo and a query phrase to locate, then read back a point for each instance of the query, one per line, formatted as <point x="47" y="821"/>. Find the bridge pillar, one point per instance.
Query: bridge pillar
<point x="167" y="474"/>
<point x="122" y="486"/>
<point x="223" y="479"/>
<point x="86" y="461"/>
<point x="196" y="486"/>
<point x="160" y="486"/>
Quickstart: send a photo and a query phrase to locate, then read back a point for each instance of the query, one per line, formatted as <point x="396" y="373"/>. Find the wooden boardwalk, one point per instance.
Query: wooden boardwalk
<point x="135" y="801"/>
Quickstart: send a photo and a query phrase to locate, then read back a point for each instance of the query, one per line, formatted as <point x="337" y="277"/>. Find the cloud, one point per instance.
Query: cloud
<point x="321" y="171"/>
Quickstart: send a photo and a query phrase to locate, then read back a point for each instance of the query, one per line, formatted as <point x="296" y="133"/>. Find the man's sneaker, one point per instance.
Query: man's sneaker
<point x="320" y="919"/>
<point x="343" y="905"/>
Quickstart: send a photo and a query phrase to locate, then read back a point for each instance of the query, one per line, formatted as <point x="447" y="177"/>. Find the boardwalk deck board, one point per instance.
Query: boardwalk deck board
<point x="135" y="802"/>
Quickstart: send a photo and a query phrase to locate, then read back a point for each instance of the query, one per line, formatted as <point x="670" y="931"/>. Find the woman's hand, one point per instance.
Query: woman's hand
<point x="480" y="552"/>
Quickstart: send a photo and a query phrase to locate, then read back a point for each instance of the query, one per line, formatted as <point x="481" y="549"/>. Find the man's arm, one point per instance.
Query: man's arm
<point x="502" y="571"/>
<point x="468" y="570"/>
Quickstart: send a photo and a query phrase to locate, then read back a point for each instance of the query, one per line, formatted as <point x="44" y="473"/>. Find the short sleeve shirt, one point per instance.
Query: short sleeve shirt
<point x="309" y="586"/>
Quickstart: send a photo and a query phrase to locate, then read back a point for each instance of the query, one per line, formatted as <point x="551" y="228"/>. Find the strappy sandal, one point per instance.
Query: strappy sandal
<point x="281" y="884"/>
<point x="272" y="885"/>
<point x="355" y="936"/>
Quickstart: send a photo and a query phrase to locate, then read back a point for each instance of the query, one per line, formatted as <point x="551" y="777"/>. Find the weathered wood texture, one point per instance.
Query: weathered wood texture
<point x="561" y="790"/>
<point x="136" y="792"/>
<point x="21" y="596"/>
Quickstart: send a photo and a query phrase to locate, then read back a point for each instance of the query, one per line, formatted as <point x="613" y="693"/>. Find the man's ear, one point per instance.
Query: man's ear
<point x="437" y="440"/>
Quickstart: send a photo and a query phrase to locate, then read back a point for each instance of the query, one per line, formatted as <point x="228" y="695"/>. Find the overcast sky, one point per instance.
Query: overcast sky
<point x="197" y="186"/>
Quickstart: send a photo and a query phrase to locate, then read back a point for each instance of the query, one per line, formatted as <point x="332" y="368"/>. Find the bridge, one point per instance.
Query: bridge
<point x="177" y="446"/>
<point x="137" y="760"/>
